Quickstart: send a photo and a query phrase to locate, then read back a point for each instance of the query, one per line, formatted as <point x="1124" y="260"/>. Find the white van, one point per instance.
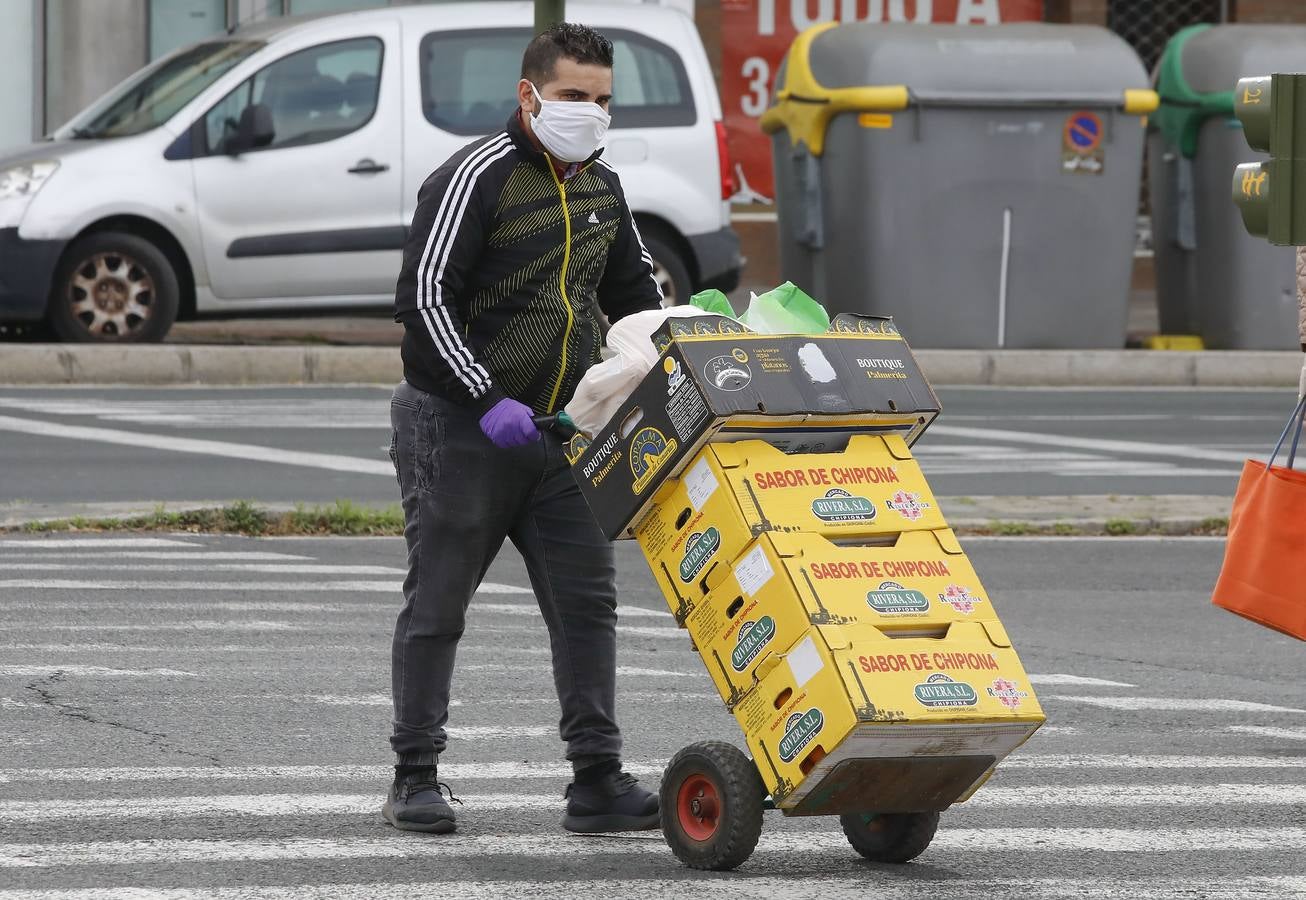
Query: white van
<point x="166" y="199"/>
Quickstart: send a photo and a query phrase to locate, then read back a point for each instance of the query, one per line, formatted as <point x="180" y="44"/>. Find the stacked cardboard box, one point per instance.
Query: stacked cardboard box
<point x="795" y="537"/>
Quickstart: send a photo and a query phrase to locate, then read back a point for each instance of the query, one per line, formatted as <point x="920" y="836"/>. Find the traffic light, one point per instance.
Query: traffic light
<point x="1272" y="195"/>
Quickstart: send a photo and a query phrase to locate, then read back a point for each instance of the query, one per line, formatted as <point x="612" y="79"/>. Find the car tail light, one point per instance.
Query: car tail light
<point x="727" y="170"/>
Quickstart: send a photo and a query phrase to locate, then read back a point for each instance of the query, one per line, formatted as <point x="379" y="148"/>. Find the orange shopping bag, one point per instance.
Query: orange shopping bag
<point x="1264" y="572"/>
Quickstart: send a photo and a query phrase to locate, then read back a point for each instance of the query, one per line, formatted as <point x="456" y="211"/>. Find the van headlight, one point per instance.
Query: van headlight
<point x="26" y="179"/>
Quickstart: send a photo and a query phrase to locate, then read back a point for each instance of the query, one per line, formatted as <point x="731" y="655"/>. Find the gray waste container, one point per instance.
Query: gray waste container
<point x="1212" y="278"/>
<point x="978" y="184"/>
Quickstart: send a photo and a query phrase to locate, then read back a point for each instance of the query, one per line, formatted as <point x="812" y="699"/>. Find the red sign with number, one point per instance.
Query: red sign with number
<point x="756" y="33"/>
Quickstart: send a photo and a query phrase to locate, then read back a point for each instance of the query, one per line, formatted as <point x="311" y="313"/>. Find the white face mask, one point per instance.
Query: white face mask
<point x="569" y="129"/>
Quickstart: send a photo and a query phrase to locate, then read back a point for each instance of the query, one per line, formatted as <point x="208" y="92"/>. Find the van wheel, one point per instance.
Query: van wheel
<point x="113" y="287"/>
<point x="669" y="271"/>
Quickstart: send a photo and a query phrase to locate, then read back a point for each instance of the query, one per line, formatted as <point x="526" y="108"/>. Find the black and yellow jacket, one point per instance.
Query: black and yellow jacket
<point x="505" y="269"/>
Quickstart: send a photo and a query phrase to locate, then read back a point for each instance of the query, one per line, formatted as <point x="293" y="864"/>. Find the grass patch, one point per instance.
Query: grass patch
<point x="243" y="517"/>
<point x="1011" y="529"/>
<point x="1122" y="527"/>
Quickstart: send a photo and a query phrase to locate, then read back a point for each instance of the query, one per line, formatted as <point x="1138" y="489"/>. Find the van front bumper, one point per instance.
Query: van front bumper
<point x="26" y="272"/>
<point x="718" y="258"/>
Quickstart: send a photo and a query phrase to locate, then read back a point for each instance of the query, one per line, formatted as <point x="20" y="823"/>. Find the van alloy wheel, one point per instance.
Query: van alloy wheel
<point x="112" y="294"/>
<point x="113" y="287"/>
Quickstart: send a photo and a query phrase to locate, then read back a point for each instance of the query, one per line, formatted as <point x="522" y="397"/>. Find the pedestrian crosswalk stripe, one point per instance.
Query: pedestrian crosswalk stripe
<point x="1103" y="761"/>
<point x="184" y="555"/>
<point x="1059" y="678"/>
<point x="1023" y="842"/>
<point x="530" y="609"/>
<point x="92" y="543"/>
<point x="383" y="587"/>
<point x="1287" y="734"/>
<point x="858" y="884"/>
<point x="1176" y="704"/>
<point x="508" y="770"/>
<point x="16" y="812"/>
<point x="91" y="671"/>
<point x="260" y="568"/>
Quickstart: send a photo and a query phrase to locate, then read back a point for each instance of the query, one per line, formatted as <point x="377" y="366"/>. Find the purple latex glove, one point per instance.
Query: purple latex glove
<point x="508" y="424"/>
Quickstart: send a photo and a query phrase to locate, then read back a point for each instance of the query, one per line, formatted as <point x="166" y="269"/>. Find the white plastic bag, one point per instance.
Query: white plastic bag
<point x="629" y="356"/>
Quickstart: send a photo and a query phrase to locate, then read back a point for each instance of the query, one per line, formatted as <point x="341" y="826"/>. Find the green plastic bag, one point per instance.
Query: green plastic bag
<point x="785" y="310"/>
<point x="713" y="301"/>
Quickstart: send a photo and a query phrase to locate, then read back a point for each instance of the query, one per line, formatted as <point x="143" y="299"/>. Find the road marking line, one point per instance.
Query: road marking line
<point x="1101" y="538"/>
<point x="385" y="699"/>
<point x="186" y="626"/>
<point x="91" y="672"/>
<point x="1128" y="448"/>
<point x="523" y="609"/>
<point x="382" y="644"/>
<point x="261" y="568"/>
<point x="106" y="543"/>
<point x="652" y="631"/>
<point x="1019" y="841"/>
<point x="1290" y="734"/>
<point x="1176" y="704"/>
<point x="510" y="770"/>
<point x="174" y="606"/>
<point x="12" y="703"/>
<point x="329" y="461"/>
<point x="479" y="732"/>
<point x="621" y="670"/>
<point x="1076" y="679"/>
<point x="886" y="886"/>
<point x="15" y="812"/>
<point x="196" y="555"/>
<point x="375" y="587"/>
<point x="1105" y="761"/>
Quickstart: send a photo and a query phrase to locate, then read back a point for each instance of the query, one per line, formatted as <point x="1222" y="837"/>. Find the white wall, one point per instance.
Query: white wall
<point x="17" y="94"/>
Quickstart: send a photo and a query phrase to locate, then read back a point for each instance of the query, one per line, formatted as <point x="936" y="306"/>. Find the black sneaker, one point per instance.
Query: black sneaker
<point x="416" y="804"/>
<point x="615" y="802"/>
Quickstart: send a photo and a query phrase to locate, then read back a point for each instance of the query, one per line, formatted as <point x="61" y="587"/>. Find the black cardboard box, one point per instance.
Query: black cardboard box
<point x="802" y="393"/>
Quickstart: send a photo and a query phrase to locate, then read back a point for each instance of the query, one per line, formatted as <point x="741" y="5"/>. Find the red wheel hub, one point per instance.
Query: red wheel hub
<point x="698" y="807"/>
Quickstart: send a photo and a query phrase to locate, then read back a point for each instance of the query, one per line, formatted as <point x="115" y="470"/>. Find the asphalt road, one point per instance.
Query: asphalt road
<point x="68" y="446"/>
<point x="206" y="716"/>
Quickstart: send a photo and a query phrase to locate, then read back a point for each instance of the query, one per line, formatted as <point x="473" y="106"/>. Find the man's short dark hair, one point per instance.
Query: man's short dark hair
<point x="579" y="43"/>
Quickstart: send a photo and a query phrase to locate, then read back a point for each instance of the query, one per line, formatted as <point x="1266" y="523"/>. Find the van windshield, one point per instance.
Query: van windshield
<point x="155" y="94"/>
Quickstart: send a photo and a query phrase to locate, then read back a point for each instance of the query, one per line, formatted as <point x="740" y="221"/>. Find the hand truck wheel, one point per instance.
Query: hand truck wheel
<point x="712" y="806"/>
<point x="890" y="837"/>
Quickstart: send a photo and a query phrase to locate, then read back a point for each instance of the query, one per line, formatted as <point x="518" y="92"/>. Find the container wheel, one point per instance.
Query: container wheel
<point x="712" y="806"/>
<point x="890" y="837"/>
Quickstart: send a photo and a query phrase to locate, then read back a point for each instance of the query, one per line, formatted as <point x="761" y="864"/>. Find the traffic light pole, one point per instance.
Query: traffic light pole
<point x="1272" y="194"/>
<point x="549" y="12"/>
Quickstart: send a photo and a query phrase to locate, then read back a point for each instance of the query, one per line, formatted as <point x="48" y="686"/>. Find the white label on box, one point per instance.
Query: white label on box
<point x="700" y="484"/>
<point x="805" y="662"/>
<point x="753" y="571"/>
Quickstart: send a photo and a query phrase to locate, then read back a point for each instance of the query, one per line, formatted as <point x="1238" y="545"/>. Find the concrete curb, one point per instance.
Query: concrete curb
<point x="173" y="364"/>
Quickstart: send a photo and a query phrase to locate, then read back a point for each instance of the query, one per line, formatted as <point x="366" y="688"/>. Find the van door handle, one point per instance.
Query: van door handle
<point x="368" y="167"/>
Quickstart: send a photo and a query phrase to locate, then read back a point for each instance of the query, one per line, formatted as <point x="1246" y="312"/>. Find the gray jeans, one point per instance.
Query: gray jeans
<point x="462" y="496"/>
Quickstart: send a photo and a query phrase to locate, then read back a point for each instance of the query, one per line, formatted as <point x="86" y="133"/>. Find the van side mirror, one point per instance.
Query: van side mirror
<point x="254" y="130"/>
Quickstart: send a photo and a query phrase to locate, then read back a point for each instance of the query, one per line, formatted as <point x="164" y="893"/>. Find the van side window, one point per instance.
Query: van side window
<point x="468" y="80"/>
<point x="309" y="97"/>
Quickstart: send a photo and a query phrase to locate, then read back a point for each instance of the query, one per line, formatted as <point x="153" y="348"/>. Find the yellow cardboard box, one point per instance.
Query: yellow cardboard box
<point x="734" y="491"/>
<point x="850" y="719"/>
<point x="787" y="582"/>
